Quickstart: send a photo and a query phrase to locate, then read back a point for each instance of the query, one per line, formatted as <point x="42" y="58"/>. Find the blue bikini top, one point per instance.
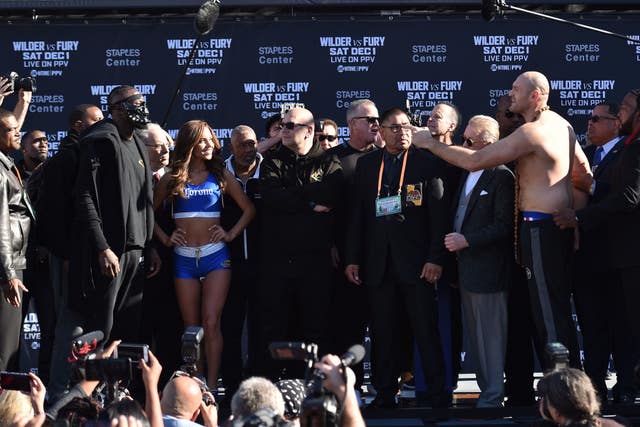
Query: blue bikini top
<point x="202" y="201"/>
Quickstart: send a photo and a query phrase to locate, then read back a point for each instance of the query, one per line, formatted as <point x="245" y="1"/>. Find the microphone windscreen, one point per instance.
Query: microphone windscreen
<point x="489" y="10"/>
<point x="90" y="336"/>
<point x="356" y="354"/>
<point x="206" y="16"/>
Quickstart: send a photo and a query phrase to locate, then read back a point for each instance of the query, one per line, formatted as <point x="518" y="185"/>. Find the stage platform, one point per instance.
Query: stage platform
<point x="464" y="413"/>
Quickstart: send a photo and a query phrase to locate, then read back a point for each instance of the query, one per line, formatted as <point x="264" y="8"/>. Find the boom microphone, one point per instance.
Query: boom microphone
<point x="89" y="338"/>
<point x="207" y="16"/>
<point x="489" y="9"/>
<point x="353" y="356"/>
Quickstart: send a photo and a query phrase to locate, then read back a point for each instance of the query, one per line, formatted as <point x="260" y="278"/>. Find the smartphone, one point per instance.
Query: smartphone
<point x="135" y="352"/>
<point x="15" y="381"/>
<point x="108" y="370"/>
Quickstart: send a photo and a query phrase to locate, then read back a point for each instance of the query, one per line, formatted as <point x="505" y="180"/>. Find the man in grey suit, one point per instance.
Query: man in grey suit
<point x="482" y="241"/>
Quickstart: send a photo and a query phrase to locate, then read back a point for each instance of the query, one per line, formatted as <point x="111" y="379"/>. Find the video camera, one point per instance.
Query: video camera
<point x="28" y="84"/>
<point x="111" y="372"/>
<point x="319" y="407"/>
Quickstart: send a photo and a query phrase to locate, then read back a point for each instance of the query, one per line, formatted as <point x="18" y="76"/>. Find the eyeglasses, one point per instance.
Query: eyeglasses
<point x="468" y="141"/>
<point x="370" y="119"/>
<point x="329" y="138"/>
<point x="397" y="128"/>
<point x="291" y="125"/>
<point x="595" y="118"/>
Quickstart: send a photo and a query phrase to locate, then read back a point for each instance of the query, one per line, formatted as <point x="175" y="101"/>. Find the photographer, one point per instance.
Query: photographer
<point x="182" y="402"/>
<point x="254" y="394"/>
<point x="567" y="398"/>
<point x="18" y="408"/>
<point x="24" y="99"/>
<point x="343" y="388"/>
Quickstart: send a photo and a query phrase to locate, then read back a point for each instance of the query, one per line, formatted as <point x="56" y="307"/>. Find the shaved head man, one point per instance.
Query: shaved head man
<point x="548" y="158"/>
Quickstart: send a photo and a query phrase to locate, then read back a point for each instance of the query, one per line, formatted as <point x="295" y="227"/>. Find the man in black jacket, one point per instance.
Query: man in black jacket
<point x="16" y="216"/>
<point x="617" y="214"/>
<point x="482" y="241"/>
<point x="300" y="186"/>
<point x="398" y="219"/>
<point x="244" y="164"/>
<point x="54" y="232"/>
<point x="114" y="218"/>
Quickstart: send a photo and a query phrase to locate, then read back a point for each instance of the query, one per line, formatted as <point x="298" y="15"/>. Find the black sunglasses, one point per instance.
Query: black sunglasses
<point x="370" y="119"/>
<point x="329" y="138"/>
<point x="291" y="125"/>
<point x="595" y="118"/>
<point x="468" y="141"/>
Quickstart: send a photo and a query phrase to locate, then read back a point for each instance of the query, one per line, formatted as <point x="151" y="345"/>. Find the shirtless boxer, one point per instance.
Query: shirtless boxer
<point x="549" y="159"/>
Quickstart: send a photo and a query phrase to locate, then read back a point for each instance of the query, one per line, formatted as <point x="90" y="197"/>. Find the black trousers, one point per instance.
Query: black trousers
<point x="11" y="324"/>
<point x="38" y="280"/>
<point x="162" y="324"/>
<point x="519" y="362"/>
<point x="545" y="254"/>
<point x="348" y="320"/>
<point x="631" y="295"/>
<point x="116" y="305"/>
<point x="418" y="301"/>
<point x="238" y="309"/>
<point x="294" y="293"/>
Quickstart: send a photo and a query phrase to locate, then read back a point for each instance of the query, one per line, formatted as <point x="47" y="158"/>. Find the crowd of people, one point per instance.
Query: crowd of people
<point x="415" y="232"/>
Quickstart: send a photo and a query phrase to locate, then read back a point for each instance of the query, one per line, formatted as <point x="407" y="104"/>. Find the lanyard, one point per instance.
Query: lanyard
<point x="404" y="166"/>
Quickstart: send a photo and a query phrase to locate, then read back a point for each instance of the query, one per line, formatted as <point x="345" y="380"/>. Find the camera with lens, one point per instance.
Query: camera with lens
<point x="111" y="372"/>
<point x="319" y="407"/>
<point x="556" y="355"/>
<point x="190" y="353"/>
<point x="28" y="84"/>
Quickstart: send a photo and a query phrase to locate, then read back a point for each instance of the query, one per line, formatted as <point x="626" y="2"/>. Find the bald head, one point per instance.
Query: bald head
<point x="298" y="130"/>
<point x="537" y="81"/>
<point x="181" y="398"/>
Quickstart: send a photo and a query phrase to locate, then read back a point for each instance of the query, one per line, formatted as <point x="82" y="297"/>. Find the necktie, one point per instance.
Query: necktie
<point x="597" y="157"/>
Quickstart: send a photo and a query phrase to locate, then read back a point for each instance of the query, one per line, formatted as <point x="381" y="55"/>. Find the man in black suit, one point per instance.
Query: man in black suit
<point x="482" y="240"/>
<point x="114" y="219"/>
<point x="607" y="265"/>
<point x="594" y="281"/>
<point x="397" y="224"/>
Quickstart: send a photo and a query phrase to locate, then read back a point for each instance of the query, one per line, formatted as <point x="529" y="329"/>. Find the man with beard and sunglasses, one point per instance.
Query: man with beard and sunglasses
<point x="114" y="219"/>
<point x="618" y="213"/>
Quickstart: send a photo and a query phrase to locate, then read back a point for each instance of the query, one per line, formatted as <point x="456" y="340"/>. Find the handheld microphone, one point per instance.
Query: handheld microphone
<point x="353" y="356"/>
<point x="489" y="9"/>
<point x="206" y="16"/>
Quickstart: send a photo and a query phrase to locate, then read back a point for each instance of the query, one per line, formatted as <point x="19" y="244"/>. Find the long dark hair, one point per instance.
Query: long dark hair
<point x="571" y="393"/>
<point x="188" y="136"/>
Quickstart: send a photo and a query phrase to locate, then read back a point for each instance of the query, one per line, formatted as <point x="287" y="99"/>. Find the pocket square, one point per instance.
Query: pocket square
<point x="483" y="193"/>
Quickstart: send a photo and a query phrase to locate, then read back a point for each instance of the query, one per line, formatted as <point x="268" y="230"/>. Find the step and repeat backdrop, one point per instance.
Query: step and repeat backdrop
<point x="245" y="69"/>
